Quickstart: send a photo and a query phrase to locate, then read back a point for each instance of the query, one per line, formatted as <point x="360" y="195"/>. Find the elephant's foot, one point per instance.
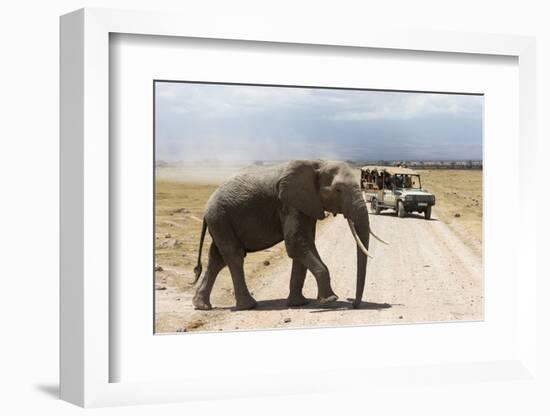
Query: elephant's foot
<point x="246" y="303"/>
<point x="201" y="304"/>
<point x="296" y="300"/>
<point x="328" y="299"/>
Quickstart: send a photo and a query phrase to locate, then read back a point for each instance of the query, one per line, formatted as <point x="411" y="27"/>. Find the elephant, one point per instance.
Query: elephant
<point x="265" y="205"/>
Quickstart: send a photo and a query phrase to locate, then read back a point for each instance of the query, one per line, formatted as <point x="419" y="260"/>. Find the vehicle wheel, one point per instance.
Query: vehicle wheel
<point x="400" y="209"/>
<point x="428" y="212"/>
<point x="374" y="206"/>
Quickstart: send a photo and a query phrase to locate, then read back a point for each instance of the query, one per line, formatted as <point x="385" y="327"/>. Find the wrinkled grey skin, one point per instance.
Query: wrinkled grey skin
<point x="259" y="208"/>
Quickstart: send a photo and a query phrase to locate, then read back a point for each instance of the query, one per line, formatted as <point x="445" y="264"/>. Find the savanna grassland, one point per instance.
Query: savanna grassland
<point x="180" y="197"/>
<point x="459" y="201"/>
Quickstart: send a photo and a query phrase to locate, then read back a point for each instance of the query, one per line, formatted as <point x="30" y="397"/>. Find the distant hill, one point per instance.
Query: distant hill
<point x="423" y="164"/>
<point x="418" y="164"/>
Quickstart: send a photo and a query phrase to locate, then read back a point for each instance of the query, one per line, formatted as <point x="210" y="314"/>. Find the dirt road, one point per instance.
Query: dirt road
<point x="427" y="274"/>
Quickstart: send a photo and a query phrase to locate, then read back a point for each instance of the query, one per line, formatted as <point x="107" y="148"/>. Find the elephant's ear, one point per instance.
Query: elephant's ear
<point x="299" y="188"/>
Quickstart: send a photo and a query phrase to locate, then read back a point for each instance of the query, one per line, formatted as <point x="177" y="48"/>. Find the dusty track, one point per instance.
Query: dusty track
<point x="427" y="274"/>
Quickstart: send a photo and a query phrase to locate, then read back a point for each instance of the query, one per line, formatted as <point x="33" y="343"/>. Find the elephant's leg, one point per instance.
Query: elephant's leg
<point x="297" y="278"/>
<point x="321" y="274"/>
<point x="318" y="256"/>
<point x="201" y="300"/>
<point x="243" y="297"/>
<point x="300" y="245"/>
<point x="233" y="255"/>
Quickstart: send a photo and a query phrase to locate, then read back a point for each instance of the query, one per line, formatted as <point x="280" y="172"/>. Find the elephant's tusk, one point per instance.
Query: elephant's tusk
<point x="370" y="231"/>
<point x="357" y="239"/>
<point x="378" y="238"/>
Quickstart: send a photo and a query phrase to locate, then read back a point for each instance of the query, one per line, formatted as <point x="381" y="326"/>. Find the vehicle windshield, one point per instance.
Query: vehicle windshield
<point x="407" y="181"/>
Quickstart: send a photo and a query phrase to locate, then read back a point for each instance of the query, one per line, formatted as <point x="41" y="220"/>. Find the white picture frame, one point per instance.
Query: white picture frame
<point x="85" y="177"/>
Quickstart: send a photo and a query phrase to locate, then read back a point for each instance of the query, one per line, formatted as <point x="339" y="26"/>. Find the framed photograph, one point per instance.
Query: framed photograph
<point x="304" y="204"/>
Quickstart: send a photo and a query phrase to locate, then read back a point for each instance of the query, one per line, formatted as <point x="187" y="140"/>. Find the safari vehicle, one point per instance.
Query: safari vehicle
<point x="397" y="188"/>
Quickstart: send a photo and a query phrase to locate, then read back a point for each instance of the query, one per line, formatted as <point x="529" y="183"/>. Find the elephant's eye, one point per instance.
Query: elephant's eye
<point x="339" y="190"/>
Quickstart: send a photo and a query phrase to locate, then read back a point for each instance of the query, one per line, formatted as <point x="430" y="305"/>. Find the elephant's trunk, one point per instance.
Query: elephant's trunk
<point x="359" y="224"/>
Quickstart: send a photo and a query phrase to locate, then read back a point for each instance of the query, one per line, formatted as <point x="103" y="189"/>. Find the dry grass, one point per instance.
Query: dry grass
<point x="178" y="222"/>
<point x="178" y="216"/>
<point x="459" y="201"/>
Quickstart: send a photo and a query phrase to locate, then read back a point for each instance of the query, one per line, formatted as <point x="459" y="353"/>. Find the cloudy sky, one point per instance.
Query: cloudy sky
<point x="245" y="123"/>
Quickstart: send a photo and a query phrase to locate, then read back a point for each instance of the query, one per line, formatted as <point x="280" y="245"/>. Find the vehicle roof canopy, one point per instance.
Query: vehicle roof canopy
<point x="392" y="170"/>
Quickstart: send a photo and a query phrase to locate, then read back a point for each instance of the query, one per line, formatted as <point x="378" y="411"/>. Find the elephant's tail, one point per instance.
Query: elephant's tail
<point x="198" y="267"/>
